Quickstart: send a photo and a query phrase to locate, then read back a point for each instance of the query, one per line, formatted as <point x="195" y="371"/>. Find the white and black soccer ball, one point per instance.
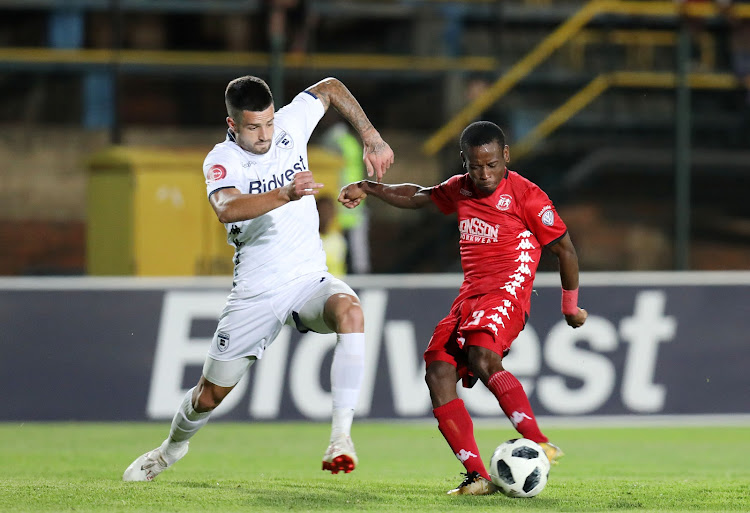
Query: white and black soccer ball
<point x="519" y="468"/>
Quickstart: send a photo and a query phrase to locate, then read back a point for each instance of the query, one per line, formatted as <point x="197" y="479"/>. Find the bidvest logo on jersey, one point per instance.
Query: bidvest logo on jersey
<point x="276" y="181"/>
<point x="476" y="230"/>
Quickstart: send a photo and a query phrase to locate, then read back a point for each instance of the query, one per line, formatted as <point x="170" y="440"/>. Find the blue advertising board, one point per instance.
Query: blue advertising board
<point x="128" y="349"/>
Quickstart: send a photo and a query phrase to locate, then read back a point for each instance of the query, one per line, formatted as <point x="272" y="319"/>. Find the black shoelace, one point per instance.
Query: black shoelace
<point x="470" y="478"/>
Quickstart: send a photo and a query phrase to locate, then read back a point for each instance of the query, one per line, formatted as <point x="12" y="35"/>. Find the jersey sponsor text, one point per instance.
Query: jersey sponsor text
<point x="276" y="181"/>
<point x="476" y="230"/>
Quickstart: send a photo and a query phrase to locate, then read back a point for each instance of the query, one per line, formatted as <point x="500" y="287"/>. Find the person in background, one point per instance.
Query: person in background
<point x="354" y="224"/>
<point x="697" y="28"/>
<point x="739" y="46"/>
<point x="334" y="243"/>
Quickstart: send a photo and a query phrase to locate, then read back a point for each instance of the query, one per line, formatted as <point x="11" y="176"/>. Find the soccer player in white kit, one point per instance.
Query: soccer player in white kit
<point x="261" y="187"/>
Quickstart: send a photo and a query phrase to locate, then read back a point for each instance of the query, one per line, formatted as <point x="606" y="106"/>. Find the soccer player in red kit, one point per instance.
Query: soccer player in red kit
<point x="504" y="221"/>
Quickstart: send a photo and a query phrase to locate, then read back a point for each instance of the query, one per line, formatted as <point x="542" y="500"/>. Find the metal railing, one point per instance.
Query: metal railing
<point x="621" y="79"/>
<point x="564" y="33"/>
<point x="162" y="59"/>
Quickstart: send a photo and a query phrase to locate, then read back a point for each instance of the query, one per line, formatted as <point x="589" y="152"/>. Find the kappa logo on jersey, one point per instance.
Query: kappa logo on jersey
<point x="476" y="230"/>
<point x="466" y="193"/>
<point x="284" y="141"/>
<point x="276" y="181"/>
<point x="216" y="172"/>
<point x="547" y="215"/>
<point x="504" y="202"/>
<point x="222" y="341"/>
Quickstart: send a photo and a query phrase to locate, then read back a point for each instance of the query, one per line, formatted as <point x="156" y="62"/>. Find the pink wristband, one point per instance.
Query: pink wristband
<point x="569" y="302"/>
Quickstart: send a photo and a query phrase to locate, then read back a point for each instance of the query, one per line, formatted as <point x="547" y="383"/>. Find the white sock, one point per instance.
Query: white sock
<point x="342" y="422"/>
<point x="347" y="371"/>
<point x="185" y="424"/>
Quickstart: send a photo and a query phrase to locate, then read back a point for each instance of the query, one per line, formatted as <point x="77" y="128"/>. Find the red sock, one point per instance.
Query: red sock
<point x="457" y="427"/>
<point x="514" y="402"/>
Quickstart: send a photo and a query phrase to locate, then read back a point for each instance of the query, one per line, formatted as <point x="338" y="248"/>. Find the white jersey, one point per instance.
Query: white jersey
<point x="283" y="244"/>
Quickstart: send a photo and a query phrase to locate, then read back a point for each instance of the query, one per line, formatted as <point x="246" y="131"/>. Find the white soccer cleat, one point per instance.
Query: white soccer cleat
<point x="147" y="466"/>
<point x="340" y="455"/>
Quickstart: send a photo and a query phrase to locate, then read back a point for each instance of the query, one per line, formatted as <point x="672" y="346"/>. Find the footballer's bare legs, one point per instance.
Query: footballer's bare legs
<point x="343" y="314"/>
<point x="207" y="396"/>
<point x="482" y="361"/>
<point x="193" y="413"/>
<point x="441" y="378"/>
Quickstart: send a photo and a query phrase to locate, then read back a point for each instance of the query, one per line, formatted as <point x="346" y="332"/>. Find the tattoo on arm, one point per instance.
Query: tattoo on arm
<point x="331" y="91"/>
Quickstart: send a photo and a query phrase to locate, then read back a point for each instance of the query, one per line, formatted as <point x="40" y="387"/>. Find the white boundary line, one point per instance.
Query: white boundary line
<point x="391" y="281"/>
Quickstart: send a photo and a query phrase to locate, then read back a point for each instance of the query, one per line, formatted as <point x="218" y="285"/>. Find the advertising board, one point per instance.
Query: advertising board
<point x="128" y="349"/>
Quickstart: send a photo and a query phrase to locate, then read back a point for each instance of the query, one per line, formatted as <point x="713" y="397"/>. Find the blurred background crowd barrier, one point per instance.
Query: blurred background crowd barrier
<point x="633" y="115"/>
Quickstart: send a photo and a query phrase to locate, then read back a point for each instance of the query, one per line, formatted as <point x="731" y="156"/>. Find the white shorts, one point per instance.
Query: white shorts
<point x="226" y="373"/>
<point x="248" y="326"/>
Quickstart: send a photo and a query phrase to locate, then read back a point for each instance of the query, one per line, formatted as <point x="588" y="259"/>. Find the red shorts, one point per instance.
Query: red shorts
<point x="494" y="314"/>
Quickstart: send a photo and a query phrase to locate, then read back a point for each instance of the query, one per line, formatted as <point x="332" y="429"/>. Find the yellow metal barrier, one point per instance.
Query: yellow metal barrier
<point x="639" y="45"/>
<point x="555" y="40"/>
<point x="167" y="58"/>
<point x="514" y="75"/>
<point x="600" y="84"/>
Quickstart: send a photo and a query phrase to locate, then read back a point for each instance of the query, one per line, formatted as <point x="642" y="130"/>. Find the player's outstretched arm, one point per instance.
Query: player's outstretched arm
<point x="232" y="206"/>
<point x="566" y="255"/>
<point x="377" y="155"/>
<point x="405" y="195"/>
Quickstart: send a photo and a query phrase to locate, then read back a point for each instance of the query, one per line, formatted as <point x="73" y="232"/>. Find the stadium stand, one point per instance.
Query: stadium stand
<point x="76" y="76"/>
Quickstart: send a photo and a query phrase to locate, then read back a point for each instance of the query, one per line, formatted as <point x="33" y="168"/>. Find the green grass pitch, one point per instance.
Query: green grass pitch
<point x="403" y="467"/>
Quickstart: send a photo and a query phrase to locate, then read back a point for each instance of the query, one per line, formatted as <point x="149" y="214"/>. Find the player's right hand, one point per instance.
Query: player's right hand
<point x="352" y="195"/>
<point x="378" y="157"/>
<point x="577" y="320"/>
<point x="302" y="184"/>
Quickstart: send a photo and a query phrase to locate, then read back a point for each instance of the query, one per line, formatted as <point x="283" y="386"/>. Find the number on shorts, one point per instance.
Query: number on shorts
<point x="477" y="317"/>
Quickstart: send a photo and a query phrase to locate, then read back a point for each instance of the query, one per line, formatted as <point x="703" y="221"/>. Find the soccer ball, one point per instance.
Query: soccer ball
<point x="519" y="468"/>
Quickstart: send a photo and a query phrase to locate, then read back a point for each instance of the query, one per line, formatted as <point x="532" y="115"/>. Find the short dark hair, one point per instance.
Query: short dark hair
<point x="247" y="93"/>
<point x="480" y="133"/>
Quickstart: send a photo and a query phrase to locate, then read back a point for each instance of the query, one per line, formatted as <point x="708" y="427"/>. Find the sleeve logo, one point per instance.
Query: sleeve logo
<point x="548" y="215"/>
<point x="216" y="172"/>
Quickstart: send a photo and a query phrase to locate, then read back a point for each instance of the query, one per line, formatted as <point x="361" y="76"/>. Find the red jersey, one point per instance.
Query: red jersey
<point x="502" y="234"/>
